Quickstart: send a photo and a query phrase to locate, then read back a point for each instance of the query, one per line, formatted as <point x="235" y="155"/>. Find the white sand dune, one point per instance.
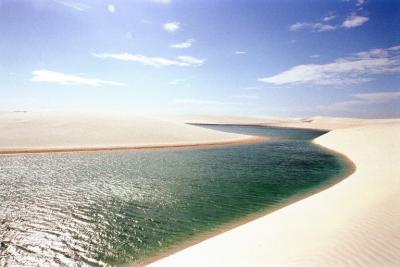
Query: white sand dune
<point x="41" y="132"/>
<point x="317" y="122"/>
<point x="353" y="223"/>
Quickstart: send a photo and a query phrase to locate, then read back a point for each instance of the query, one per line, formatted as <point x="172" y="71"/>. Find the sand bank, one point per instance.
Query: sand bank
<point x="354" y="223"/>
<point x="25" y="132"/>
<point x="317" y="122"/>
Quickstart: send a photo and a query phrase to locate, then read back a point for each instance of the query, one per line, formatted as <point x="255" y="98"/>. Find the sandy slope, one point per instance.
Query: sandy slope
<point x="354" y="223"/>
<point x="27" y="132"/>
<point x="321" y="123"/>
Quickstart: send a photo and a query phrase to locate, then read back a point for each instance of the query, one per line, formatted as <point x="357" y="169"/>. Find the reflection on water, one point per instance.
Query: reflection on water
<point x="111" y="208"/>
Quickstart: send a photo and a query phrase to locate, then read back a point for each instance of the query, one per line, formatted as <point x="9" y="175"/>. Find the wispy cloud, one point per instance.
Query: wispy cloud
<point x="354" y="21"/>
<point x="74" y="5"/>
<point x="315" y="56"/>
<point x="66" y="79"/>
<point x="329" y="18"/>
<point x="343" y="71"/>
<point x="324" y="24"/>
<point x="181" y="61"/>
<point x="188" y="43"/>
<point x="111" y="8"/>
<point x="172" y="26"/>
<point x="315" y="26"/>
<point x="190" y="61"/>
<point x="240" y="52"/>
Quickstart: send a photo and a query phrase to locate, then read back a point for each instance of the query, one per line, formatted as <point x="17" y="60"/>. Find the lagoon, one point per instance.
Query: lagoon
<point x="123" y="207"/>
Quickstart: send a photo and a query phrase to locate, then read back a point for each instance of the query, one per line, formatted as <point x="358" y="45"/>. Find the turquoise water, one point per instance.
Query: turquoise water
<point x="114" y="208"/>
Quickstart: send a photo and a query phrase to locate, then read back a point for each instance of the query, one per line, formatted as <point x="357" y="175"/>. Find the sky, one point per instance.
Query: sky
<point x="165" y="57"/>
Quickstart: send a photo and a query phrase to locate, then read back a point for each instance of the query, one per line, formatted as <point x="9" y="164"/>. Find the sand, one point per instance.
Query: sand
<point x="353" y="223"/>
<point x="23" y="132"/>
<point x="317" y="122"/>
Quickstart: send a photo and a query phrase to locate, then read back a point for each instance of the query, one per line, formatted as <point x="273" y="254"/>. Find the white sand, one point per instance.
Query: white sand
<point x="36" y="132"/>
<point x="321" y="123"/>
<point x="354" y="223"/>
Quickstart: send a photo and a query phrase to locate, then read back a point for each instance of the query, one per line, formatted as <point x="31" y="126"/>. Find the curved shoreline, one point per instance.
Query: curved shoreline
<point x="254" y="216"/>
<point x="248" y="140"/>
<point x="345" y="224"/>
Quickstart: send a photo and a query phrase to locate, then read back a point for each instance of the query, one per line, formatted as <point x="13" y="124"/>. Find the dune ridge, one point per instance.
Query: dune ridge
<point x="315" y="122"/>
<point x="353" y="223"/>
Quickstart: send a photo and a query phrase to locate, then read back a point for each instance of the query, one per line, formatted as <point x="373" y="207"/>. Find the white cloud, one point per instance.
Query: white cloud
<point x="181" y="61"/>
<point x="329" y="18"/>
<point x="297" y="26"/>
<point x="351" y="21"/>
<point x="189" y="61"/>
<point x="172" y="26"/>
<point x="111" y="8"/>
<point x="317" y="26"/>
<point x="240" y="52"/>
<point x="66" y="79"/>
<point x="74" y="5"/>
<point x="343" y="71"/>
<point x="354" y="21"/>
<point x="315" y="56"/>
<point x="162" y="1"/>
<point x="188" y="43"/>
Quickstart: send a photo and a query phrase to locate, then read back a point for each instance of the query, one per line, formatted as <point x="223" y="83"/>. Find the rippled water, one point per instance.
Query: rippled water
<point x="114" y="208"/>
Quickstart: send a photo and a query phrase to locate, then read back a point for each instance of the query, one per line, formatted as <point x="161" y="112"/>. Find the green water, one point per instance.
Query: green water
<point x="114" y="208"/>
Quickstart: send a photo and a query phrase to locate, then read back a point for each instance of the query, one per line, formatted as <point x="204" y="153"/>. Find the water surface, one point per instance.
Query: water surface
<point x="114" y="208"/>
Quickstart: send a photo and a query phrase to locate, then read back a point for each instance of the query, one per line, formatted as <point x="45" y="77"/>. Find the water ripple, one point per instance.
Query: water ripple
<point x="105" y="209"/>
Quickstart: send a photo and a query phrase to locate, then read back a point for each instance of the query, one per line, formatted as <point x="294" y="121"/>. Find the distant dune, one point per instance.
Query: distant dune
<point x="353" y="223"/>
<point x="318" y="122"/>
<point x="46" y="132"/>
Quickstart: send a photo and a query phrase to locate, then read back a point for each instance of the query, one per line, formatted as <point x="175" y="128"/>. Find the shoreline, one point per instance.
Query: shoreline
<point x="248" y="140"/>
<point x="345" y="222"/>
<point x="350" y="169"/>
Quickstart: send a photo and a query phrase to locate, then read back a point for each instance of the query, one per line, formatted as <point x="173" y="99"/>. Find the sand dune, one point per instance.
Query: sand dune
<point x="38" y="132"/>
<point x="317" y="122"/>
<point x="354" y="223"/>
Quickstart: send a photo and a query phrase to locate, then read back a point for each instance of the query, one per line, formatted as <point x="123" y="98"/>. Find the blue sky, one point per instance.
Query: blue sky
<point x="164" y="57"/>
